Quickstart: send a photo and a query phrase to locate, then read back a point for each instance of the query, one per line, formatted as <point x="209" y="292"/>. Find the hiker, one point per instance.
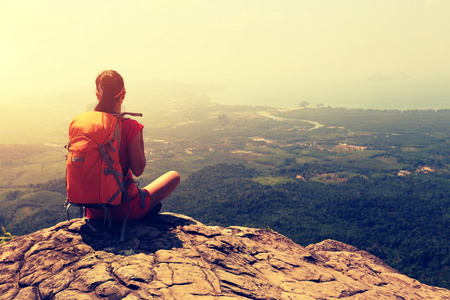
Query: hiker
<point x="110" y="94"/>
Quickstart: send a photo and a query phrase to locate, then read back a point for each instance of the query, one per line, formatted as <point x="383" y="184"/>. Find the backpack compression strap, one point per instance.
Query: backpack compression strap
<point x="104" y="151"/>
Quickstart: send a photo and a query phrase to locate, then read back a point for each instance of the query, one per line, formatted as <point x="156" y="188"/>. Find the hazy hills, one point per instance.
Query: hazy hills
<point x="46" y="117"/>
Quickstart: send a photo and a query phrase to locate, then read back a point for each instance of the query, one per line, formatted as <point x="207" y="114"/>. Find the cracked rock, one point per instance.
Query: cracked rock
<point x="175" y="257"/>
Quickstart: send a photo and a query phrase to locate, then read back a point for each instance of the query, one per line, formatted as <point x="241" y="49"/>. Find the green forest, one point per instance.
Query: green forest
<point x="377" y="180"/>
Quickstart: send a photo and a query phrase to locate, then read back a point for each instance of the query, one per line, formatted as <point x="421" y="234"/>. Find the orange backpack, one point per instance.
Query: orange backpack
<point x="93" y="171"/>
<point x="94" y="176"/>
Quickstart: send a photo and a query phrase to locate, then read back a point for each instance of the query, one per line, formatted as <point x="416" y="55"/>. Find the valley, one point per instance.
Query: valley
<point x="375" y="179"/>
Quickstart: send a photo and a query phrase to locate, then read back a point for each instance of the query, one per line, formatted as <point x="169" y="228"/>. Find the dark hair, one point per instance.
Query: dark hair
<point x="110" y="87"/>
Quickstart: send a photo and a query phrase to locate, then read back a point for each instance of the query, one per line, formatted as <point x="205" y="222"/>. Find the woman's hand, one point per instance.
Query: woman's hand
<point x="137" y="154"/>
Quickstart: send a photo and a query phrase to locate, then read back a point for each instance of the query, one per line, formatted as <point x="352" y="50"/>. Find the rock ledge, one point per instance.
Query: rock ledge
<point x="175" y="257"/>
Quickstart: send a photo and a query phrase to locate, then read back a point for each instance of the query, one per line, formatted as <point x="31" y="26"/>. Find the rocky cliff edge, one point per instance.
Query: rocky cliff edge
<point x="175" y="257"/>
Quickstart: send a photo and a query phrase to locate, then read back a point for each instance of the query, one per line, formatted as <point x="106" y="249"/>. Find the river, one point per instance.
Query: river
<point x="268" y="115"/>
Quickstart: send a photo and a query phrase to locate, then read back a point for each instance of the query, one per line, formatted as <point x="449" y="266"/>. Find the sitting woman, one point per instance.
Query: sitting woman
<point x="110" y="94"/>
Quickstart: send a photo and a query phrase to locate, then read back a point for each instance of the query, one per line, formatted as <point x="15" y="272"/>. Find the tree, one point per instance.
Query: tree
<point x="6" y="236"/>
<point x="304" y="104"/>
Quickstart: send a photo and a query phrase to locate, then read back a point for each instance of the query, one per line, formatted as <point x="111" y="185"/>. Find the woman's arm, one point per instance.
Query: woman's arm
<point x="137" y="154"/>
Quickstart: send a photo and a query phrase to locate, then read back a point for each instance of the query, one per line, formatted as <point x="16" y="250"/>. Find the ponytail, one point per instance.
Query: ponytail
<point x="110" y="87"/>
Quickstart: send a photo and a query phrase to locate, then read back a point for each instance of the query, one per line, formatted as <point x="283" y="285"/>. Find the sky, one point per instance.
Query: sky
<point x="342" y="53"/>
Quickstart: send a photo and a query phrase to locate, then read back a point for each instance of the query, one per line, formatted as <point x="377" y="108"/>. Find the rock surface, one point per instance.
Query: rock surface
<point x="176" y="257"/>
